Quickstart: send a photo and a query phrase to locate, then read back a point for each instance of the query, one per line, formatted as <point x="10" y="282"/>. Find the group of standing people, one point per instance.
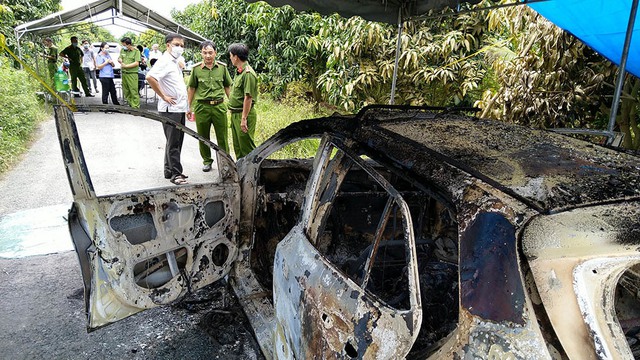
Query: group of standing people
<point x="75" y="56"/>
<point x="204" y="98"/>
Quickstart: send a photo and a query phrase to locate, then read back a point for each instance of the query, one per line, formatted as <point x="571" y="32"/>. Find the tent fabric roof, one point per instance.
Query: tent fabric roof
<point x="375" y="10"/>
<point x="601" y="24"/>
<point x="131" y="11"/>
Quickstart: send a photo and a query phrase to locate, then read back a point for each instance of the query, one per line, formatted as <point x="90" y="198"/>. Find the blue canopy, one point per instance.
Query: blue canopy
<point x="601" y="24"/>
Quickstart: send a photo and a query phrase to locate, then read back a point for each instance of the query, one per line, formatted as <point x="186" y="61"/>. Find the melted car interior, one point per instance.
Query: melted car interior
<point x="627" y="307"/>
<point x="363" y="236"/>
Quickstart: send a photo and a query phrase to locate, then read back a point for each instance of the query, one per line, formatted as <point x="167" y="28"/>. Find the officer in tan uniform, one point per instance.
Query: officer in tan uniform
<point x="208" y="84"/>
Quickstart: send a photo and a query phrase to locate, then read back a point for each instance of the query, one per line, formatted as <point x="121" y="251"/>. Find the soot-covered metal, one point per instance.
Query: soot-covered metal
<point x="412" y="233"/>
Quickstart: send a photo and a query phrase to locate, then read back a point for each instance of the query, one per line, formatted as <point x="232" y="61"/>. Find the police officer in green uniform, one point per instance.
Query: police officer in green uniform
<point x="208" y="84"/>
<point x="129" y="64"/>
<point x="244" y="95"/>
<point x="52" y="57"/>
<point x="74" y="54"/>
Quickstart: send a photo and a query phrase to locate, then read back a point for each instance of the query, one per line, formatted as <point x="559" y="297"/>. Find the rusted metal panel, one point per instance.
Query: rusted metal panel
<point x="577" y="258"/>
<point x="320" y="311"/>
<point x="148" y="248"/>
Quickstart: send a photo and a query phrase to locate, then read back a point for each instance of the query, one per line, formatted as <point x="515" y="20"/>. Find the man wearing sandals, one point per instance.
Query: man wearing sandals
<point x="165" y="78"/>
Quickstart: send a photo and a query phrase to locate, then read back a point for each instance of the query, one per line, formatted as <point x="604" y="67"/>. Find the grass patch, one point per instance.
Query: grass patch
<point x="275" y="115"/>
<point x="21" y="112"/>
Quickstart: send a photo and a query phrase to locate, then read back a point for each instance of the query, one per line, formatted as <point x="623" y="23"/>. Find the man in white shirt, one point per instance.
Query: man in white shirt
<point x="89" y="65"/>
<point x="154" y="53"/>
<point x="165" y="78"/>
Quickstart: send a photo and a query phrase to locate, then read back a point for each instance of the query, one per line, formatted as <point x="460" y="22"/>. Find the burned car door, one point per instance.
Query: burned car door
<point x="142" y="249"/>
<point x="367" y="306"/>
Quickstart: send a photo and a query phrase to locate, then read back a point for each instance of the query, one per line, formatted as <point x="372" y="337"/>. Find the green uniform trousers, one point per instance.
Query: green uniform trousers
<point x="77" y="74"/>
<point x="207" y="115"/>
<point x="52" y="70"/>
<point x="243" y="142"/>
<point x="130" y="89"/>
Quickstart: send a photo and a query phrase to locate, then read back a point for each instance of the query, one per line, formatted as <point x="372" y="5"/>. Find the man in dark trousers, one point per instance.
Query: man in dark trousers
<point x="74" y="55"/>
<point x="208" y="84"/>
<point x="165" y="78"/>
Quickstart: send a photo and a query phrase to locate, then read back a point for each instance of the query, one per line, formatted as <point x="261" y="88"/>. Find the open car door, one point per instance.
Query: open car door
<point x="343" y="298"/>
<point x="142" y="249"/>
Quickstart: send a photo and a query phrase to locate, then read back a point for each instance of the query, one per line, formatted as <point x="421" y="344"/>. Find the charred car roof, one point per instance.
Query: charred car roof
<point x="547" y="171"/>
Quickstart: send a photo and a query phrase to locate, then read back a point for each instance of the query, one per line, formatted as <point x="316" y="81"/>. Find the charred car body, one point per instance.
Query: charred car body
<point x="412" y="233"/>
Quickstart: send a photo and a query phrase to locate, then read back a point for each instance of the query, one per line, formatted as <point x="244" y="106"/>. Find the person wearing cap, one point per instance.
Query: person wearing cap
<point x="242" y="100"/>
<point x="208" y="84"/>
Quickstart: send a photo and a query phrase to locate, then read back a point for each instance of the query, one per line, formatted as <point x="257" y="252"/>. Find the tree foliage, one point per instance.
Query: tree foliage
<point x="221" y="21"/>
<point x="16" y="12"/>
<point x="150" y="37"/>
<point x="83" y="30"/>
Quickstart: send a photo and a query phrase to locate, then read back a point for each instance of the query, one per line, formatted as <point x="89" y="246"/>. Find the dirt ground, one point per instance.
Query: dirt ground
<point x="43" y="317"/>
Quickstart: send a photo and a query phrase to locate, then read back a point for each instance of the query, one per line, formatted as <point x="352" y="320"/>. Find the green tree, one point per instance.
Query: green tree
<point x="84" y="30"/>
<point x="16" y="12"/>
<point x="150" y="37"/>
<point x="221" y="21"/>
<point x="133" y="36"/>
<point x="289" y="47"/>
<point x="437" y="63"/>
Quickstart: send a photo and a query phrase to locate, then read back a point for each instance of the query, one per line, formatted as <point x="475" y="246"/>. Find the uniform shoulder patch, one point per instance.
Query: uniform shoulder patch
<point x="197" y="64"/>
<point x="221" y="63"/>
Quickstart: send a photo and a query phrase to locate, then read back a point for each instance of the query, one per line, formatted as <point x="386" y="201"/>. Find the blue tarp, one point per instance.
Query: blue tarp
<point x="601" y="24"/>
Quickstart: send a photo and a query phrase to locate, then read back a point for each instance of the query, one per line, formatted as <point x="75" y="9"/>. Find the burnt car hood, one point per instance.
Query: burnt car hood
<point x="548" y="171"/>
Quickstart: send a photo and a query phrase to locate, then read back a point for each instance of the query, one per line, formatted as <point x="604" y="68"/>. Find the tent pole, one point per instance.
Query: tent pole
<point x="395" y="67"/>
<point x="18" y="36"/>
<point x="621" y="71"/>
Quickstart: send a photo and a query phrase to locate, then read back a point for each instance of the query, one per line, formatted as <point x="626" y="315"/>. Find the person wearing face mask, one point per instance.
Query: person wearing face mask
<point x="129" y="61"/>
<point x="165" y="78"/>
<point x="105" y="65"/>
<point x="89" y="65"/>
<point x="208" y="84"/>
<point x="74" y="55"/>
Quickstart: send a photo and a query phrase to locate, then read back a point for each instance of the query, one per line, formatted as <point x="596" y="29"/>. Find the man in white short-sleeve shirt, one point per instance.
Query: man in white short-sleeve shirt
<point x="165" y="78"/>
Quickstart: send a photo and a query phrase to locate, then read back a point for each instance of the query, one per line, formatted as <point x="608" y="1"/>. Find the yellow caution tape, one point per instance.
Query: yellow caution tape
<point x="4" y="47"/>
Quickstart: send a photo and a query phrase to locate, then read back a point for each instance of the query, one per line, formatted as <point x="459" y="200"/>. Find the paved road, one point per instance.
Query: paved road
<point x="123" y="153"/>
<point x="40" y="296"/>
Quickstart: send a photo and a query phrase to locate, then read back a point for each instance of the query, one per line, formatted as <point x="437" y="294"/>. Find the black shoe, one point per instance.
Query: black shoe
<point x="90" y="95"/>
<point x="206" y="168"/>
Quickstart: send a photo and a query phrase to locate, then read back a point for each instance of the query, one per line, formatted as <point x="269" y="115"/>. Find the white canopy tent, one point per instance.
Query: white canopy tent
<point x="126" y="13"/>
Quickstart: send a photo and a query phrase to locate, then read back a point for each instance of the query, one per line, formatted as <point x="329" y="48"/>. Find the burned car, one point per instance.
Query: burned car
<point x="413" y="232"/>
